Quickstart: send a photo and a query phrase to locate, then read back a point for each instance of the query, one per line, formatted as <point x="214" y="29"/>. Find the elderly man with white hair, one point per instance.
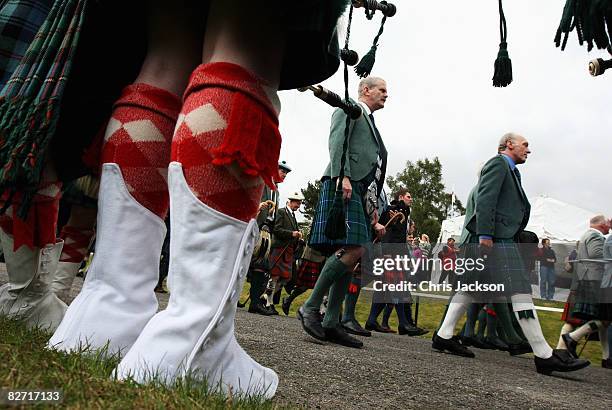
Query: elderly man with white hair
<point x="494" y="226"/>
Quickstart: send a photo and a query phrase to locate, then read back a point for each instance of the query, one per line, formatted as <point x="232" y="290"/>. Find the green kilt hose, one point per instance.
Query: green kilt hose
<point x="358" y="231"/>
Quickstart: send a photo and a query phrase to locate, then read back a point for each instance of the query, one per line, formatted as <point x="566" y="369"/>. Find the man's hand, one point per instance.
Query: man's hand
<point x="380" y="230"/>
<point x="392" y="215"/>
<point x="297" y="234"/>
<point x="374" y="219"/>
<point x="347" y="189"/>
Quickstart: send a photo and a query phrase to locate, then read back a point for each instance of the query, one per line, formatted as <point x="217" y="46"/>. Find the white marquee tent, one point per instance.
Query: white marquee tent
<point x="550" y="218"/>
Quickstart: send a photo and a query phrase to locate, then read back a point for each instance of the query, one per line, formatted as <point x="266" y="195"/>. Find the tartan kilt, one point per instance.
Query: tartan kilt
<point x="19" y="23"/>
<point x="587" y="300"/>
<point x="358" y="230"/>
<point x="567" y="316"/>
<point x="504" y="266"/>
<point x="308" y="272"/>
<point x="395" y="277"/>
<point x="283" y="266"/>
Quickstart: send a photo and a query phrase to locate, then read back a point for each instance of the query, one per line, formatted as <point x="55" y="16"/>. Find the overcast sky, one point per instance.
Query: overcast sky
<point x="437" y="59"/>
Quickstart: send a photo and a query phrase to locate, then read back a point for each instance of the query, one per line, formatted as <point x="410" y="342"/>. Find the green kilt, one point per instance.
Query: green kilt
<point x="587" y="300"/>
<point x="358" y="231"/>
<point x="19" y="23"/>
<point x="504" y="265"/>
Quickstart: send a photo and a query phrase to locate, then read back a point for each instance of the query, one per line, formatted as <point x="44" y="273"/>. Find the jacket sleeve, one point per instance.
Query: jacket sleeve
<point x="279" y="230"/>
<point x="594" y="247"/>
<point x="489" y="187"/>
<point x="336" y="143"/>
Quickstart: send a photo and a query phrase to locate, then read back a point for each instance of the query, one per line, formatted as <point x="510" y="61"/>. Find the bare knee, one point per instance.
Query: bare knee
<point x="175" y="35"/>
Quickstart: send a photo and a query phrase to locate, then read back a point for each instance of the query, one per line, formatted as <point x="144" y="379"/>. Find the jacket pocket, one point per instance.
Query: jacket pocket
<point x="501" y="219"/>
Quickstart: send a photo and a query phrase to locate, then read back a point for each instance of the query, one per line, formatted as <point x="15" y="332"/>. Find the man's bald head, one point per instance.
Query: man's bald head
<point x="515" y="146"/>
<point x="373" y="92"/>
<point x="601" y="223"/>
<point x="368" y="82"/>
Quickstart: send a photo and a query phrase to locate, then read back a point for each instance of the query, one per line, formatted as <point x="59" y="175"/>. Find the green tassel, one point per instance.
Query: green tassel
<point x="365" y="66"/>
<point x="335" y="228"/>
<point x="503" y="67"/>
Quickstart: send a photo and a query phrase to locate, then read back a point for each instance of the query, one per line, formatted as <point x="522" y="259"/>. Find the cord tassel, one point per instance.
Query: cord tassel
<point x="502" y="76"/>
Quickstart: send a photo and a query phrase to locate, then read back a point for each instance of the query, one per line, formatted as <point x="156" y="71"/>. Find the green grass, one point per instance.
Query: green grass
<point x="87" y="382"/>
<point x="431" y="311"/>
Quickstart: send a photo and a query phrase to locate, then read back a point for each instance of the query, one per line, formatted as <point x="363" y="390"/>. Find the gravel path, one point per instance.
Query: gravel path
<point x="400" y="372"/>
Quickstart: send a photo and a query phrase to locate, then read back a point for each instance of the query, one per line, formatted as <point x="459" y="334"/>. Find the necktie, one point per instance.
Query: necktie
<point x="517" y="173"/>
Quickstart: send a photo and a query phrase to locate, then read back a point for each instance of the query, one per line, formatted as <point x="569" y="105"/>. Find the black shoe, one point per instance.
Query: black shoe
<point x="311" y="322"/>
<point x="353" y="327"/>
<point x="519" y="348"/>
<point x="411" y="330"/>
<point x="466" y="341"/>
<point x="497" y="344"/>
<point x="286" y="305"/>
<point x="474" y="341"/>
<point x="570" y="344"/>
<point x="607" y="363"/>
<point x="272" y="310"/>
<point x="339" y="336"/>
<point x="560" y="361"/>
<point x="259" y="309"/>
<point x="375" y="327"/>
<point x="451" y="346"/>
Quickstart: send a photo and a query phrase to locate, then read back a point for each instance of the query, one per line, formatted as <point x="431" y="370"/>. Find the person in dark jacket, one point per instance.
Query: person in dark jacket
<point x="397" y="232"/>
<point x="547" y="271"/>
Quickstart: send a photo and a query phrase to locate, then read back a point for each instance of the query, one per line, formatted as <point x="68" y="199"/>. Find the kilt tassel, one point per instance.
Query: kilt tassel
<point x="526" y="314"/>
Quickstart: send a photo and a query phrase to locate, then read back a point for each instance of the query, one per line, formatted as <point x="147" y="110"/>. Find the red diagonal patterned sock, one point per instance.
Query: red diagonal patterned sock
<point x="76" y="243"/>
<point x="227" y="139"/>
<point x="138" y="139"/>
<point x="40" y="226"/>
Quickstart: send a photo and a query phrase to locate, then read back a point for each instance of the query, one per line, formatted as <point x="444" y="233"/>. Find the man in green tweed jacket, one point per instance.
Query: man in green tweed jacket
<point x="500" y="213"/>
<point x="363" y="179"/>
